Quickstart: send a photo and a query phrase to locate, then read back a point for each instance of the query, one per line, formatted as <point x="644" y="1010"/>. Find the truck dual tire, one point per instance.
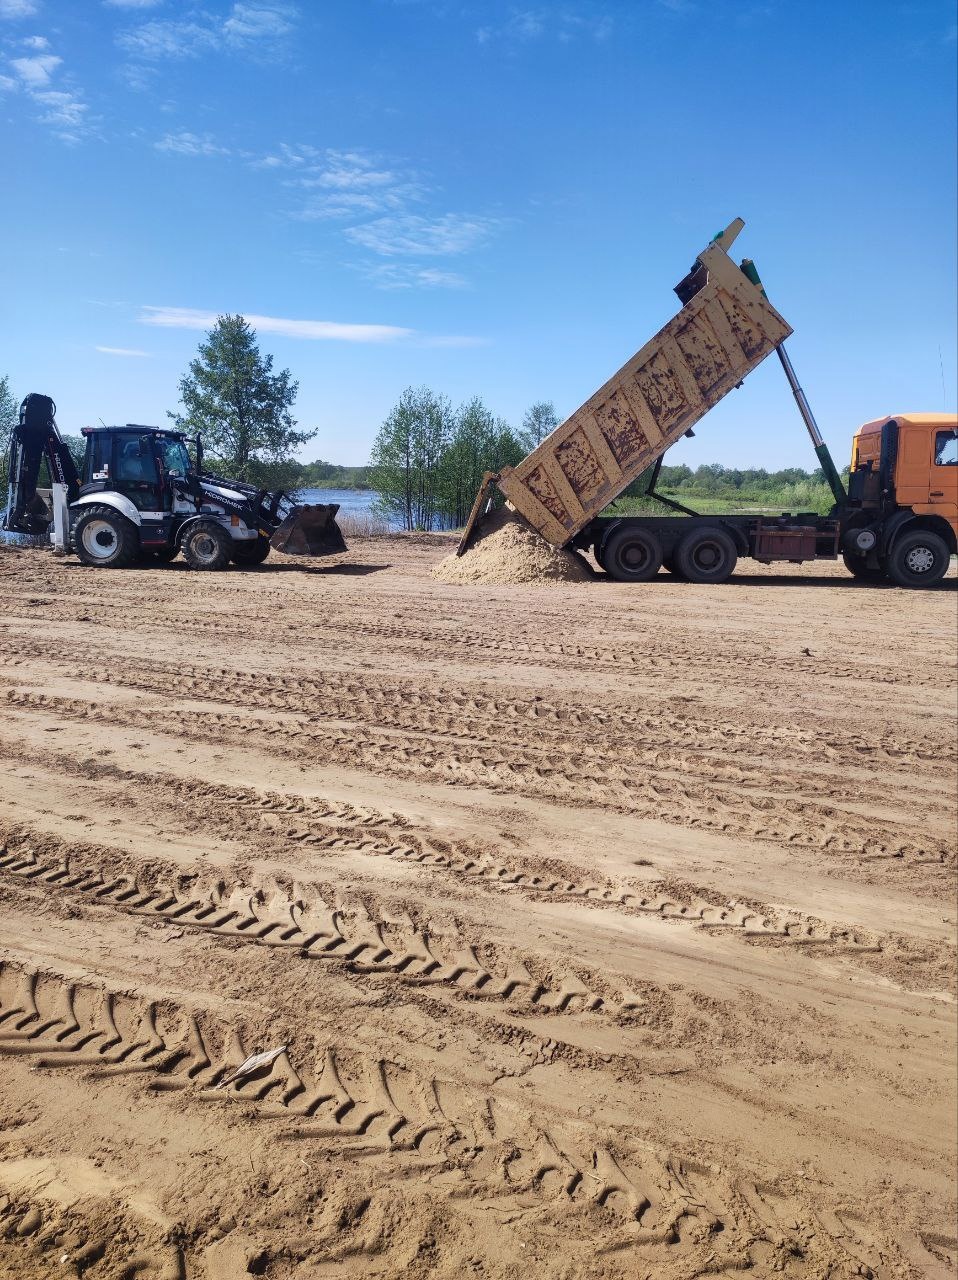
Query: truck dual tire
<point x="705" y="555"/>
<point x="105" y="538"/>
<point x="207" y="546"/>
<point x="631" y="555"/>
<point x="918" y="559"/>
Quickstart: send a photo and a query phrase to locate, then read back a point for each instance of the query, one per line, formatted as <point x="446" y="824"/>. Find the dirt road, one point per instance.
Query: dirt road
<point x="605" y="931"/>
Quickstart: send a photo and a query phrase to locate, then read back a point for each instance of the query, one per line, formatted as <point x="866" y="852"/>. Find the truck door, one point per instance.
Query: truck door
<point x="943" y="494"/>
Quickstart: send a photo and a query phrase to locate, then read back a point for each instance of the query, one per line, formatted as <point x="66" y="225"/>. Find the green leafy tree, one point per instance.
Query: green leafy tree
<point x="8" y="420"/>
<point x="407" y="458"/>
<point x="480" y="442"/>
<point x="241" y="408"/>
<point x="540" y="419"/>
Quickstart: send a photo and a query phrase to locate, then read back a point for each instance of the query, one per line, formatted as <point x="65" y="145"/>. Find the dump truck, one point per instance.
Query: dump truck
<point x="898" y="519"/>
<point x="139" y="492"/>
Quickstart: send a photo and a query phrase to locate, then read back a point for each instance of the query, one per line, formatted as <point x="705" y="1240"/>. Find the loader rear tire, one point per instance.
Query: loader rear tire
<point x="207" y="546"/>
<point x="105" y="538"/>
<point x="631" y="555"/>
<point x="250" y="552"/>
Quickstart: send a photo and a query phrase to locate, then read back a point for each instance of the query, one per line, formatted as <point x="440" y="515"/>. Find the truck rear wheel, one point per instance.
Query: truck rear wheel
<point x="631" y="555"/>
<point x="207" y="546"/>
<point x="104" y="537"/>
<point x="918" y="559"/>
<point x="706" y="555"/>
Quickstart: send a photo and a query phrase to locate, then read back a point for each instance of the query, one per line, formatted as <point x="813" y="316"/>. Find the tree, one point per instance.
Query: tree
<point x="240" y="407"/>
<point x="480" y="442"/>
<point x="540" y="419"/>
<point x="8" y="420"/>
<point x="407" y="458"/>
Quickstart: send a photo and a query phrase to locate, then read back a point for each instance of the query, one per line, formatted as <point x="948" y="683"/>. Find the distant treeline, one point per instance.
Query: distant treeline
<point x="719" y="487"/>
<point x="329" y="475"/>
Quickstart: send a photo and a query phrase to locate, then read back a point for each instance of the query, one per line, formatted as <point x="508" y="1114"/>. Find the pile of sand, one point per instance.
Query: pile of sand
<point x="507" y="549"/>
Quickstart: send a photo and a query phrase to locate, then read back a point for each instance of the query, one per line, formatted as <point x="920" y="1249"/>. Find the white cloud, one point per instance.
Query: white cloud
<point x="62" y="109"/>
<point x="36" y="72"/>
<point x="396" y="275"/>
<point x="18" y="8"/>
<point x="122" y="351"/>
<point x="190" y="144"/>
<point x="254" y="22"/>
<point x="132" y="4"/>
<point x="155" y="40"/>
<point x="317" y="330"/>
<point x="65" y="110"/>
<point x="37" y="42"/>
<point x="564" y="23"/>
<point x="248" y="26"/>
<point x="450" y="233"/>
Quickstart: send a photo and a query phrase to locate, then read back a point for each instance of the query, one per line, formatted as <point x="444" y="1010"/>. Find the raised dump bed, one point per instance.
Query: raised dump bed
<point x="725" y="328"/>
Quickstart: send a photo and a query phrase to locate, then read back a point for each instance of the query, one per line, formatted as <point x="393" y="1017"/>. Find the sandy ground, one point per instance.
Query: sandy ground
<point x="607" y="931"/>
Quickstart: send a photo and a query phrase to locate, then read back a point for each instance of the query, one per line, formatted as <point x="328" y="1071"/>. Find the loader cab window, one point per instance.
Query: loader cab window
<point x="946" y="448"/>
<point x="96" y="460"/>
<point x="173" y="456"/>
<point x="134" y="470"/>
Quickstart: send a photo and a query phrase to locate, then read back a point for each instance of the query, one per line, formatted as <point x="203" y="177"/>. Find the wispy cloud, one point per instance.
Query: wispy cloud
<point x="412" y="234"/>
<point x="18" y="8"/>
<point x="564" y="23"/>
<point x="250" y="27"/>
<point x="59" y="107"/>
<point x="132" y="4"/>
<point x="36" y="72"/>
<point x="401" y="275"/>
<point x="191" y="144"/>
<point x="317" y="330"/>
<point x="122" y="351"/>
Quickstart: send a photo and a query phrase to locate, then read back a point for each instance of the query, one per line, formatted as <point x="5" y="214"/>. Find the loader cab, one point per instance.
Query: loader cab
<point x="139" y="462"/>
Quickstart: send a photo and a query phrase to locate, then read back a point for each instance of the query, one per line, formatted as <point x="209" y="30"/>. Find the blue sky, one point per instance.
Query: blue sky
<point x="488" y="198"/>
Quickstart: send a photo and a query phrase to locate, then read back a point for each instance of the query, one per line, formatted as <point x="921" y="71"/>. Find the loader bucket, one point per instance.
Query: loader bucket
<point x="310" y="531"/>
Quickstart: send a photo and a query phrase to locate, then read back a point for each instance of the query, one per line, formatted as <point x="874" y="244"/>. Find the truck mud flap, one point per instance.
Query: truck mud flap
<point x="310" y="530"/>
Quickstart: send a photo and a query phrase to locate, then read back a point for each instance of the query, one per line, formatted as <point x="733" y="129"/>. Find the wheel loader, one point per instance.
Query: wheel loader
<point x="141" y="492"/>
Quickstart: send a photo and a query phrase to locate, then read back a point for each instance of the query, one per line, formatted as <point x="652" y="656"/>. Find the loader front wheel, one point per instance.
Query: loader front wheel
<point x="207" y="546"/>
<point x="105" y="538"/>
<point x="250" y="552"/>
<point x="631" y="555"/>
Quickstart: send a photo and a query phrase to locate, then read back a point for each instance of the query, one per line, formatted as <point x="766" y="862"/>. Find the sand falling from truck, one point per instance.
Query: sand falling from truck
<point x="507" y="550"/>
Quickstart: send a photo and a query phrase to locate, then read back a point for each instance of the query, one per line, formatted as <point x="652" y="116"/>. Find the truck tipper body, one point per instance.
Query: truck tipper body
<point x="899" y="520"/>
<point x="726" y="327"/>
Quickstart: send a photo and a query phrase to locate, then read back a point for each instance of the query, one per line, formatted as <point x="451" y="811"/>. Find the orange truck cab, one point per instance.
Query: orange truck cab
<point x="902" y="518"/>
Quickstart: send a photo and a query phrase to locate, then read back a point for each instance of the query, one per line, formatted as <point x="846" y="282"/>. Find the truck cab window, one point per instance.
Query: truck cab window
<point x="946" y="449"/>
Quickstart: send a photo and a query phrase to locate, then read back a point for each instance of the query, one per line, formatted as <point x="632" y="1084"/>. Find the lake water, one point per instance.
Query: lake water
<point x="352" y="502"/>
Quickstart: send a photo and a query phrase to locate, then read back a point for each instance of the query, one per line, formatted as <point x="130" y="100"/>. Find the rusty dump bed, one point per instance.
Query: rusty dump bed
<point x="723" y="331"/>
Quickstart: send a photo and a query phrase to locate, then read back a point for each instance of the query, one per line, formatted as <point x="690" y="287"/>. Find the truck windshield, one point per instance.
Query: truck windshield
<point x="174" y="457"/>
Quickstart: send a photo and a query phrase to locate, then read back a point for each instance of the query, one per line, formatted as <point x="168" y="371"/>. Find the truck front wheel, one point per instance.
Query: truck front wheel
<point x="706" y="555"/>
<point x="918" y="559"/>
<point x="631" y="555"/>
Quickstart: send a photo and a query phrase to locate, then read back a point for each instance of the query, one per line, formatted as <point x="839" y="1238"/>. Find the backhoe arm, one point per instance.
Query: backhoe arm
<point x="34" y="438"/>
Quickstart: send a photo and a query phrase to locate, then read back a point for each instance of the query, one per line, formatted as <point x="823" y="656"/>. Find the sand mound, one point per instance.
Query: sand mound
<point x="508" y="550"/>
